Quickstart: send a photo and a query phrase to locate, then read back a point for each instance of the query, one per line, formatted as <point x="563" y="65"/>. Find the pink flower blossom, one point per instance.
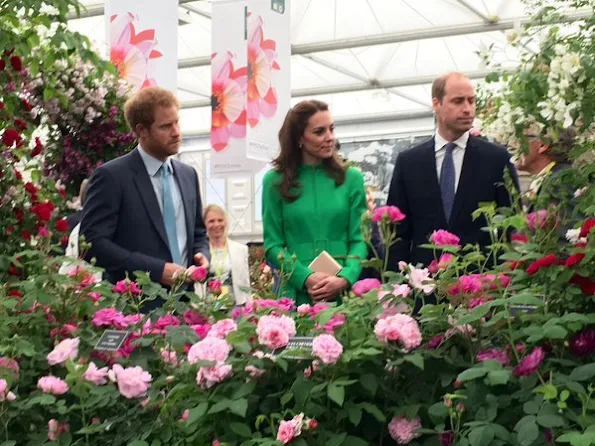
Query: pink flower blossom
<point x="207" y="377"/>
<point x="194" y="318"/>
<point x="583" y="343"/>
<point x="387" y="213"/>
<point x="67" y="349"/>
<point x="327" y="348"/>
<point x="209" y="349"/>
<point x="169" y="356"/>
<point x="444" y="238"/>
<point x="199" y="274"/>
<point x="107" y="317"/>
<point x="55" y="429"/>
<point x="275" y="331"/>
<point x="419" y="279"/>
<point x="402" y="429"/>
<point x="530" y="363"/>
<point x="95" y="375"/>
<point x="95" y="296"/>
<point x="317" y="309"/>
<point x="167" y="320"/>
<point x="201" y="330"/>
<point x="5" y="394"/>
<point x="222" y="328"/>
<point x="435" y="342"/>
<point x="304" y="309"/>
<point x="477" y="302"/>
<point x="9" y="365"/>
<point x="494" y="354"/>
<point x="126" y="286"/>
<point x="364" y="286"/>
<point x="442" y="263"/>
<point x="539" y="219"/>
<point x="133" y="382"/>
<point x="185" y="416"/>
<point x="288" y="430"/>
<point x="255" y="372"/>
<point x="335" y="322"/>
<point x="399" y="327"/>
<point x="53" y="385"/>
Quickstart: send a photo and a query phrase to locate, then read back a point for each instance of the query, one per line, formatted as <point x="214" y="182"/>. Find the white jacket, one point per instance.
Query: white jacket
<point x="240" y="273"/>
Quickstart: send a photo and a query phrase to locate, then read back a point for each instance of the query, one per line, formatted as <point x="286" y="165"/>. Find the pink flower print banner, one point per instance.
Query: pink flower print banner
<point x="250" y="85"/>
<point x="143" y="41"/>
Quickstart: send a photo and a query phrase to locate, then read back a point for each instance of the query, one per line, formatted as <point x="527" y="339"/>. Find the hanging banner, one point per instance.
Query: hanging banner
<point x="269" y="61"/>
<point x="143" y="36"/>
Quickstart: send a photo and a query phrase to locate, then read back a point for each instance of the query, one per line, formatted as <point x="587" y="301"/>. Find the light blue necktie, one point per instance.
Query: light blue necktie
<point x="169" y="213"/>
<point x="447" y="180"/>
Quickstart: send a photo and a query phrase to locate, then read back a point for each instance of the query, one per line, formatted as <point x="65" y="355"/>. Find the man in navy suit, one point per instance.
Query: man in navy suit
<point x="439" y="183"/>
<point x="143" y="210"/>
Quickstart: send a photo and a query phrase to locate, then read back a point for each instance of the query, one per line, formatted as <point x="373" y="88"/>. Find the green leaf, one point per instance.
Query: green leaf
<point x="498" y="377"/>
<point x="286" y="398"/>
<point x="336" y="393"/>
<point x="9" y="443"/>
<point x="197" y="413"/>
<point x="481" y="436"/>
<point x="48" y="94"/>
<point x="549" y="391"/>
<point x="242" y="429"/>
<point x="138" y="443"/>
<point x="555" y="332"/>
<point x="220" y="406"/>
<point x="355" y="414"/>
<point x="355" y="441"/>
<point x="527" y="433"/>
<point x="583" y="372"/>
<point x="550" y="420"/>
<point x="471" y="374"/>
<point x="239" y="407"/>
<point x="337" y="440"/>
<point x="373" y="410"/>
<point x="438" y="411"/>
<point x="530" y="408"/>
<point x="370" y="383"/>
<point x="416" y="359"/>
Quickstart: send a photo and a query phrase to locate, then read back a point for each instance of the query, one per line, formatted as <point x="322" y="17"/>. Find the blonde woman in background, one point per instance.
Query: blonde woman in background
<point x="229" y="259"/>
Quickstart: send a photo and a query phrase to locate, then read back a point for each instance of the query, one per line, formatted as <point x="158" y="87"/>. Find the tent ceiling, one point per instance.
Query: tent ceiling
<point x="361" y="56"/>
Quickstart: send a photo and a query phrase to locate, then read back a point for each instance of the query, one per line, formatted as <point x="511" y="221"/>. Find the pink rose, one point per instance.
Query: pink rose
<point x="199" y="274"/>
<point x="53" y="385"/>
<point x="55" y="429"/>
<point x="201" y="330"/>
<point x="165" y="321"/>
<point x="133" y="382"/>
<point x="254" y="371"/>
<point x="327" y="348"/>
<point x="441" y="264"/>
<point x="185" y="416"/>
<point x="67" y="349"/>
<point x="399" y="327"/>
<point x="444" y="238"/>
<point x="215" y="286"/>
<point x="95" y="375"/>
<point x="364" y="286"/>
<point x="194" y="318"/>
<point x="530" y="363"/>
<point x="335" y="322"/>
<point x="209" y="349"/>
<point x="222" y="328"/>
<point x="107" y="317"/>
<point x="169" y="356"/>
<point x="402" y="429"/>
<point x="5" y="394"/>
<point x="9" y="365"/>
<point x="388" y="213"/>
<point x="126" y="286"/>
<point x="317" y="309"/>
<point x="494" y="354"/>
<point x="538" y="219"/>
<point x="275" y="331"/>
<point x="207" y="377"/>
<point x="419" y="278"/>
<point x="304" y="309"/>
<point x="288" y="430"/>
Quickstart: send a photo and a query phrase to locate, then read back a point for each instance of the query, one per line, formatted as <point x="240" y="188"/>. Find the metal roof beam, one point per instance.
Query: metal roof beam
<point x="404" y="36"/>
<point x="376" y="85"/>
<point x="476" y="12"/>
<point x="99" y="9"/>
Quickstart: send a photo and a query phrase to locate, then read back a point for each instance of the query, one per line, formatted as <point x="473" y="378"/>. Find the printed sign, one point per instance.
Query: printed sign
<point x="299" y="347"/>
<point x="111" y="340"/>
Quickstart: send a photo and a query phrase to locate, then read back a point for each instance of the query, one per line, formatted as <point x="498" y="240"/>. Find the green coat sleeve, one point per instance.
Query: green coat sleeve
<point x="274" y="233"/>
<point x="358" y="250"/>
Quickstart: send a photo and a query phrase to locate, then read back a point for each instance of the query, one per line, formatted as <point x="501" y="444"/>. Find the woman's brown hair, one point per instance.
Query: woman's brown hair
<point x="290" y="157"/>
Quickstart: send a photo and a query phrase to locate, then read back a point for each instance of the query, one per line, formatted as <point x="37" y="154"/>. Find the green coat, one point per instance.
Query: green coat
<point x="324" y="217"/>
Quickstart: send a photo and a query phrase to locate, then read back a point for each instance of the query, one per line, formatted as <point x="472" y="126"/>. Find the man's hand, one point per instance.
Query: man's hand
<point x="328" y="288"/>
<point x="170" y="273"/>
<point x="201" y="260"/>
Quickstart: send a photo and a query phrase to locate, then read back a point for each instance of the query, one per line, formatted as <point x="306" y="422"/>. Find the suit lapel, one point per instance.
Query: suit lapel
<point x="147" y="193"/>
<point x="428" y="171"/>
<point x="469" y="175"/>
<point x="186" y="186"/>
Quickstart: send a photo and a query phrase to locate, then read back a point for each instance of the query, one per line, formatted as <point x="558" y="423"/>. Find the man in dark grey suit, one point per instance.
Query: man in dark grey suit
<point x="439" y="183"/>
<point x="143" y="210"/>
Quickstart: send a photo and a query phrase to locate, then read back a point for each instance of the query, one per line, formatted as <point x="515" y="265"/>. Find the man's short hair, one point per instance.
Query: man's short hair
<point x="439" y="84"/>
<point x="140" y="109"/>
<point x="559" y="151"/>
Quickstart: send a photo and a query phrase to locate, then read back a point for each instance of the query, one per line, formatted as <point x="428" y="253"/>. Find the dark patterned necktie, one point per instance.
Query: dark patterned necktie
<point x="447" y="180"/>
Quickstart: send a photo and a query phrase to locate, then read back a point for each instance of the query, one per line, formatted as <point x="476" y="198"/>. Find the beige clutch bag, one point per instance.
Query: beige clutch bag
<point x="325" y="263"/>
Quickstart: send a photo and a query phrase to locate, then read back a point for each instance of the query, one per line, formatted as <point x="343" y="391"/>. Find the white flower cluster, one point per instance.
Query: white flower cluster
<point x="564" y="91"/>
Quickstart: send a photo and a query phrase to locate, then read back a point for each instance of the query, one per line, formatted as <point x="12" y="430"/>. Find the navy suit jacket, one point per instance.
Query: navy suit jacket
<point x="123" y="221"/>
<point x="416" y="191"/>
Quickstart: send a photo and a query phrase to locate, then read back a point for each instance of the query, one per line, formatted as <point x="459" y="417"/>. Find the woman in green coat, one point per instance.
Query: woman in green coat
<point x="312" y="203"/>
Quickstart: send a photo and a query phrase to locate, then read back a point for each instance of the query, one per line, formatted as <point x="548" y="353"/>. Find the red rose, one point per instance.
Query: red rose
<point x="26" y="105"/>
<point x="519" y="238"/>
<point x="20" y="124"/>
<point x="18" y="214"/>
<point x="15" y="293"/>
<point x="587" y="285"/>
<point x="544" y="262"/>
<point x="2" y="65"/>
<point x="313" y="424"/>
<point x="62" y="225"/>
<point x="574" y="259"/>
<point x="26" y="235"/>
<point x="589" y="224"/>
<point x="64" y="240"/>
<point x="1" y="105"/>
<point x="16" y="63"/>
<point x="30" y="187"/>
<point x="18" y="175"/>
<point x="43" y="210"/>
<point x="11" y="137"/>
<point x="9" y="230"/>
<point x="38" y="148"/>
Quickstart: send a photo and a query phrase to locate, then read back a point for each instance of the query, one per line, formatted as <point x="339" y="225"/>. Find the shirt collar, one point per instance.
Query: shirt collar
<point x="461" y="143"/>
<point x="547" y="169"/>
<point x="152" y="164"/>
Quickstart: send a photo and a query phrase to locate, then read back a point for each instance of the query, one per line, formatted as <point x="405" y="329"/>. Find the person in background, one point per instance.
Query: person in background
<point x="229" y="259"/>
<point x="312" y="203"/>
<point x="143" y="210"/>
<point x="75" y="218"/>
<point x="441" y="182"/>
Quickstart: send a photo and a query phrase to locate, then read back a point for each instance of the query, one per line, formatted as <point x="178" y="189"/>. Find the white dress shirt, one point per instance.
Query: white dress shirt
<point x="457" y="154"/>
<point x="153" y="165"/>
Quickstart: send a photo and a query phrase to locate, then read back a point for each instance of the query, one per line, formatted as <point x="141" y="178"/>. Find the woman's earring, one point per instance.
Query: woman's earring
<point x="300" y="146"/>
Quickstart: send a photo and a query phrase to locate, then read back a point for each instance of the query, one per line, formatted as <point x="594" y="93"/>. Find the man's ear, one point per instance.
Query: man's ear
<point x="140" y="131"/>
<point x="436" y="105"/>
<point x="543" y="148"/>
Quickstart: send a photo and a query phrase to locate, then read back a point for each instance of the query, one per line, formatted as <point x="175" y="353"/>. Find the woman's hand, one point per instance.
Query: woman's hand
<point x="328" y="288"/>
<point x="313" y="279"/>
